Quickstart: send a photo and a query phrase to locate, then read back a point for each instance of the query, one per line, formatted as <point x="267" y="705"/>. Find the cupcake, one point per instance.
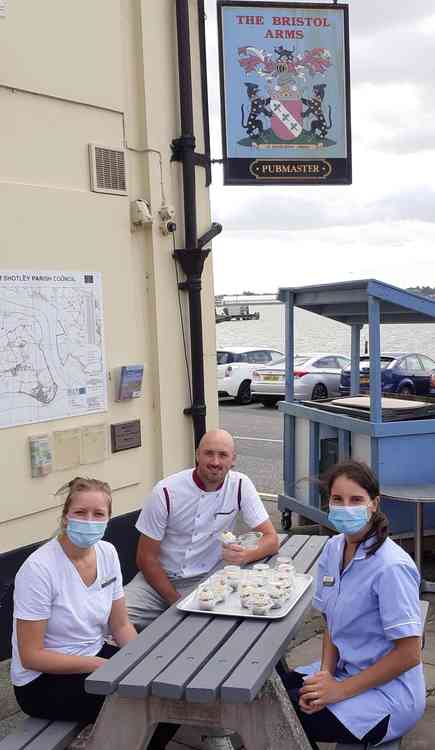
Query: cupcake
<point x="227" y="537"/>
<point x="246" y="592"/>
<point x="220" y="591"/>
<point x="276" y="594"/>
<point x="260" y="603"/>
<point x="206" y="599"/>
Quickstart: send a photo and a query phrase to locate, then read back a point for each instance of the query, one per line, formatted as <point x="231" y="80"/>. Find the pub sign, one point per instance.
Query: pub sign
<point x="285" y="101"/>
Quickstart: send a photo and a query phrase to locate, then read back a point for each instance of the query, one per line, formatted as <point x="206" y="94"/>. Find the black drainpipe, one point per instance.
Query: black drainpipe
<point x="192" y="256"/>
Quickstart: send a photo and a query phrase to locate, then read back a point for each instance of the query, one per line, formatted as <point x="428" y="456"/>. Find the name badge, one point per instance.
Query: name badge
<point x="328" y="580"/>
<point x="107" y="582"/>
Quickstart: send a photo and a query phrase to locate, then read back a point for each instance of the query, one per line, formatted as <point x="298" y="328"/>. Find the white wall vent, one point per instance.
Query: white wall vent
<point x="108" y="170"/>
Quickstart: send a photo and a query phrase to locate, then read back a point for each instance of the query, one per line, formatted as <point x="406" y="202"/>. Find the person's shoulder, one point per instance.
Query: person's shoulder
<point x="391" y="554"/>
<point x="44" y="558"/>
<point x="178" y="479"/>
<point x="237" y="476"/>
<point x="106" y="548"/>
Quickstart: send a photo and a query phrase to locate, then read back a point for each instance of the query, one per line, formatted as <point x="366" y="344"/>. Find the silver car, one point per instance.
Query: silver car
<point x="315" y="376"/>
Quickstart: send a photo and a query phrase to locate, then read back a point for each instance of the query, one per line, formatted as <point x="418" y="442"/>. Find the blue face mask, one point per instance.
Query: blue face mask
<point x="85" y="533"/>
<point x="348" y="520"/>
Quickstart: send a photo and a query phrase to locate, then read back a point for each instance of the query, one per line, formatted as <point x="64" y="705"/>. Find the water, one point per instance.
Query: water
<point x="314" y="333"/>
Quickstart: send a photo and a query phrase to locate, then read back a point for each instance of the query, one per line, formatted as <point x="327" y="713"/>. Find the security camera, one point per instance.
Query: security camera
<point x="167" y="220"/>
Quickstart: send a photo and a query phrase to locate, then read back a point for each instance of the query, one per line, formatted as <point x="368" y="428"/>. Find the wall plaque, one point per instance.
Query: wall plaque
<point x="125" y="435"/>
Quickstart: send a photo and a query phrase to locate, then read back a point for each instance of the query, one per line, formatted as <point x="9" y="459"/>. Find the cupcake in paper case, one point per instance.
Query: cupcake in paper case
<point x="277" y="595"/>
<point x="246" y="591"/>
<point x="227" y="537"/>
<point x="250" y="539"/>
<point x="206" y="599"/>
<point x="220" y="591"/>
<point x="260" y="603"/>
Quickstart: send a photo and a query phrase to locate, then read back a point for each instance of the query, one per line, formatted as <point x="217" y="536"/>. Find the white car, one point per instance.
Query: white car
<point x="315" y="376"/>
<point x="235" y="366"/>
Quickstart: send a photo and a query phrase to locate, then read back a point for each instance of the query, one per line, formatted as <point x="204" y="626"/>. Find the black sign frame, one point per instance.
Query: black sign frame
<point x="319" y="170"/>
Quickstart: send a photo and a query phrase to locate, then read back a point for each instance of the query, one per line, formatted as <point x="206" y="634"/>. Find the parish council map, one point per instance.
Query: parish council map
<point x="51" y="346"/>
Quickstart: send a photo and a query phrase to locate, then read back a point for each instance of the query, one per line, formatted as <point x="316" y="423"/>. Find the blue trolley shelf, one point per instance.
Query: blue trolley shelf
<point x="400" y="452"/>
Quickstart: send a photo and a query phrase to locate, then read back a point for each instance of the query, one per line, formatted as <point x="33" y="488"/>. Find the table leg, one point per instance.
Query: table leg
<point x="426" y="587"/>
<point x="268" y="723"/>
<point x="418" y="537"/>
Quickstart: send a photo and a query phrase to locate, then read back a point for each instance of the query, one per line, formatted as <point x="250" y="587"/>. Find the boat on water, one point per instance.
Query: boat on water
<point x="235" y="312"/>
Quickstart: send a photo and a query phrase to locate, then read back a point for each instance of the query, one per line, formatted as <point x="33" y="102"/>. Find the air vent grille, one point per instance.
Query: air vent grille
<point x="108" y="170"/>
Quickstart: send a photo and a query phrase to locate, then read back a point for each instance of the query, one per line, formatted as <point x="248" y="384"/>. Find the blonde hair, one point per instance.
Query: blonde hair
<point x="83" y="484"/>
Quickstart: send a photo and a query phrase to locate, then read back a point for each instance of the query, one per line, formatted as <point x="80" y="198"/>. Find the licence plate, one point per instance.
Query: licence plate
<point x="364" y="380"/>
<point x="272" y="378"/>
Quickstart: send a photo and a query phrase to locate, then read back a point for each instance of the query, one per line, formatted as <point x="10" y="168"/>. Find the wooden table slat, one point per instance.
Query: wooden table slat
<point x="204" y="687"/>
<point x="249" y="676"/>
<point x="137" y="683"/>
<point x="104" y="680"/>
<point x="309" y="553"/>
<point x="293" y="545"/>
<point x="171" y="682"/>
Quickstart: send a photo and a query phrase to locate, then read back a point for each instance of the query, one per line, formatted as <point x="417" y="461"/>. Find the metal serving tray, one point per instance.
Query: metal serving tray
<point x="231" y="606"/>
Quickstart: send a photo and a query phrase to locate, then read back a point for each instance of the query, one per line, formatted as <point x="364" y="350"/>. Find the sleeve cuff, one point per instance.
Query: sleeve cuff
<point x="403" y="630"/>
<point x="318" y="604"/>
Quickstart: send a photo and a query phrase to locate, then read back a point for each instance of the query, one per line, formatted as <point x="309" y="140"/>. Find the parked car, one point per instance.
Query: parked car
<point x="315" y="376"/>
<point x="235" y="366"/>
<point x="408" y="374"/>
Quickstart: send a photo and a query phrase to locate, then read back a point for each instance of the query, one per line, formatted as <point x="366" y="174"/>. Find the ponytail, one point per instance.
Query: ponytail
<point x="379" y="528"/>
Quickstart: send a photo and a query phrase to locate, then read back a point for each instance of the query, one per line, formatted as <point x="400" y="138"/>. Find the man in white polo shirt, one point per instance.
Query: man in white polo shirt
<point x="180" y="525"/>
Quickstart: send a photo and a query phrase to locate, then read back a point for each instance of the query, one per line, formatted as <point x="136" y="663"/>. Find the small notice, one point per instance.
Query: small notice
<point x="40" y="455"/>
<point x="3" y="7"/>
<point x="94" y="444"/>
<point x="66" y="448"/>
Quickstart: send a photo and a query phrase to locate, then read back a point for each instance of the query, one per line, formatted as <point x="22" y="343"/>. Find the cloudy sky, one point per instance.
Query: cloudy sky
<point x="381" y="226"/>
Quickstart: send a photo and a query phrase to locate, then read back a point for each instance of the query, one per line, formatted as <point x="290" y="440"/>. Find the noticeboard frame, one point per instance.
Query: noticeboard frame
<point x="285" y="170"/>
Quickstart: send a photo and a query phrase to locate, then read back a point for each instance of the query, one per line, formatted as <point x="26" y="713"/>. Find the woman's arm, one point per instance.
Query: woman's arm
<point x="33" y="655"/>
<point x="120" y="626"/>
<point x="321" y="688"/>
<point x="329" y="654"/>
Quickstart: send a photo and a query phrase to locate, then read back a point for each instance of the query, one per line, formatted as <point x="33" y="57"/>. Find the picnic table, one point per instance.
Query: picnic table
<point x="206" y="671"/>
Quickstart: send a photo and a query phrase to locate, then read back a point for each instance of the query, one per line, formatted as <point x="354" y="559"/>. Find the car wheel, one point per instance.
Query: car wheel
<point x="405" y="390"/>
<point x="244" y="393"/>
<point x="286" y="520"/>
<point x="319" y="391"/>
<point x="272" y="401"/>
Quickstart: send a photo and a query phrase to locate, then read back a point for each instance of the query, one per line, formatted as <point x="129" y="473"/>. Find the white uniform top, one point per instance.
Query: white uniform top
<point x="369" y="605"/>
<point x="187" y="519"/>
<point x="48" y="587"/>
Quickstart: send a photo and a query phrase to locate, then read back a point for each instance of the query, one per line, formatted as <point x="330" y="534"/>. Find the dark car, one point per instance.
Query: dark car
<point x="407" y="374"/>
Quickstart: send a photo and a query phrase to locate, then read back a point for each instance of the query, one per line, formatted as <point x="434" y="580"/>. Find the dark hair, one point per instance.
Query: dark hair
<point x="362" y="475"/>
<point x="84" y="484"/>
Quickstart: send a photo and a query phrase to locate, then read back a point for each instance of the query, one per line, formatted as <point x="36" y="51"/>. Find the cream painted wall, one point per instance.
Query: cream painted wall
<point x="118" y="72"/>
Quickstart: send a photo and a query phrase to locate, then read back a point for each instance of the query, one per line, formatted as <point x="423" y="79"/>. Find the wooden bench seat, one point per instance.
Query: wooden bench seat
<point x="41" y="734"/>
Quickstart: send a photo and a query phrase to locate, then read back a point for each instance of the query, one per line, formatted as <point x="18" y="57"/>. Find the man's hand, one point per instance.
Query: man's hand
<point x="234" y="554"/>
<point x="318" y="690"/>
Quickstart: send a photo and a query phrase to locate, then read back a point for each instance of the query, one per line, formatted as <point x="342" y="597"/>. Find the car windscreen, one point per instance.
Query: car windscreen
<point x="224" y="358"/>
<point x="365" y="362"/>
<point x="297" y="362"/>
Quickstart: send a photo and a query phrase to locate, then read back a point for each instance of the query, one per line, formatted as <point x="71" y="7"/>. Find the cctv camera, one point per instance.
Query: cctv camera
<point x="171" y="227"/>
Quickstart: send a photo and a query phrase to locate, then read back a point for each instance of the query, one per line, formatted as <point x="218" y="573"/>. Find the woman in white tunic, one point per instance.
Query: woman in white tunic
<point x="369" y="684"/>
<point x="68" y="596"/>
